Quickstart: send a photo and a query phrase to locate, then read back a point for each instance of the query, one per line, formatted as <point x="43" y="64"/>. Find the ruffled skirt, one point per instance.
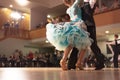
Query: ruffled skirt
<point x="63" y="34"/>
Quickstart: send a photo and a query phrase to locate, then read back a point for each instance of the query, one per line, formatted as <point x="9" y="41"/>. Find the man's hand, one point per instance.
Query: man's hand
<point x="92" y="2"/>
<point x="86" y="0"/>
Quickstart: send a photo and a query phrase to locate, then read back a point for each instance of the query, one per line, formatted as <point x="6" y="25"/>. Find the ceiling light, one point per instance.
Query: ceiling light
<point x="107" y="32"/>
<point x="11" y="5"/>
<point x="4" y="9"/>
<point x="15" y="15"/>
<point x="23" y="17"/>
<point x="22" y="2"/>
<point x="48" y="16"/>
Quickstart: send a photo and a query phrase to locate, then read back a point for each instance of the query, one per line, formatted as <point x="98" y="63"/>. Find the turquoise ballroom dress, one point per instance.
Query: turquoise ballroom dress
<point x="63" y="34"/>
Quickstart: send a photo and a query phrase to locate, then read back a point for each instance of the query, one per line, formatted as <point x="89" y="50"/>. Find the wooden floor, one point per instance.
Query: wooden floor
<point x="58" y="74"/>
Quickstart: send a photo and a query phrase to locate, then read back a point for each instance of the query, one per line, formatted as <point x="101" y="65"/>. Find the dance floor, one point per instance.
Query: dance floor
<point x="58" y="74"/>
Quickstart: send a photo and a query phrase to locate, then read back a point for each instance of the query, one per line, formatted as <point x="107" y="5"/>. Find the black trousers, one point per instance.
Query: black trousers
<point x="94" y="47"/>
<point x="115" y="59"/>
<point x="87" y="14"/>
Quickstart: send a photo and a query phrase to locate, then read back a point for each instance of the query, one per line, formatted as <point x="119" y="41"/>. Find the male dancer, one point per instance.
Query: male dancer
<point x="115" y="49"/>
<point x="87" y="16"/>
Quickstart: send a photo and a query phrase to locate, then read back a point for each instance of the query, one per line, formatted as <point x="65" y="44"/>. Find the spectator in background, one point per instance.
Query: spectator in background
<point x="0" y="61"/>
<point x="4" y="60"/>
<point x="97" y="10"/>
<point x="30" y="58"/>
<point x="12" y="28"/>
<point x="116" y="4"/>
<point x="6" y="28"/>
<point x="16" y="29"/>
<point x="42" y="60"/>
<point x="103" y="7"/>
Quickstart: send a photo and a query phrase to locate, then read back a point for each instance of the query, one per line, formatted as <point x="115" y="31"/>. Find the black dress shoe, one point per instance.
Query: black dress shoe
<point x="71" y="67"/>
<point x="99" y="67"/>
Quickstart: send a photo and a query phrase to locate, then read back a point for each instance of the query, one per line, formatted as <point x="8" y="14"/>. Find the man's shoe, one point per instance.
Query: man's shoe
<point x="99" y="67"/>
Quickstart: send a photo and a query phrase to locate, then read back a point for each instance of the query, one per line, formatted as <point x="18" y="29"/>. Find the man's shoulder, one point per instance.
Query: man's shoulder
<point x="87" y="8"/>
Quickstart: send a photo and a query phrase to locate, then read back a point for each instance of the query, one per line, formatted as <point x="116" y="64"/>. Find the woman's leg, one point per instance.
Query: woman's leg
<point x="64" y="58"/>
<point x="79" y="61"/>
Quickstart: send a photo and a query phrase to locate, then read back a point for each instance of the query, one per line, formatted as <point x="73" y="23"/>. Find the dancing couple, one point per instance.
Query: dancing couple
<point x="67" y="35"/>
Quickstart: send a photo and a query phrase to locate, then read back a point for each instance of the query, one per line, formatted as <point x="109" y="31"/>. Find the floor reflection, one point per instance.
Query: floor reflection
<point x="58" y="74"/>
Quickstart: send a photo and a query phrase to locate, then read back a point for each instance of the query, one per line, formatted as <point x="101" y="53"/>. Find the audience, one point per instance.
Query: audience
<point x="18" y="59"/>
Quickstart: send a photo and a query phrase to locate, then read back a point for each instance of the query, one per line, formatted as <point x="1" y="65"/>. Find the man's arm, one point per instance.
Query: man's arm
<point x="110" y="47"/>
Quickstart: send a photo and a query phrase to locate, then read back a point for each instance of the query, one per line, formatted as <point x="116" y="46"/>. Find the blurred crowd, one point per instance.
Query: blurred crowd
<point x="107" y="6"/>
<point x="18" y="59"/>
<point x="36" y="59"/>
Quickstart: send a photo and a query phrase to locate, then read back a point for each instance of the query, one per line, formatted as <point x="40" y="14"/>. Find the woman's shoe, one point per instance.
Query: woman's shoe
<point x="79" y="67"/>
<point x="63" y="65"/>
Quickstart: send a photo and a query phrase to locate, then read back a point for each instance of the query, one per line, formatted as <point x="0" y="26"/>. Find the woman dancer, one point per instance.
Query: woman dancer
<point x="66" y="35"/>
